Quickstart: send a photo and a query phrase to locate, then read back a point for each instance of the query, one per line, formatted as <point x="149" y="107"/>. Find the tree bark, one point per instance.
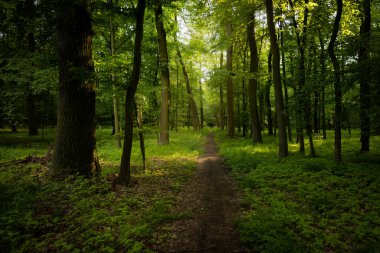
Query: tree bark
<point x="230" y="87"/>
<point x="252" y="87"/>
<point x="75" y="143"/>
<point x="337" y="83"/>
<point x="280" y="108"/>
<point x="115" y="100"/>
<point x="125" y="166"/>
<point x="364" y="74"/>
<point x="165" y="77"/>
<point x="323" y="73"/>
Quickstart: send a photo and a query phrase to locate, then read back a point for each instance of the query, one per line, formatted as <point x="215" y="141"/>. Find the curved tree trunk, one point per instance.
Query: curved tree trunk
<point x="75" y="143"/>
<point x="280" y="108"/>
<point x="165" y="78"/>
<point x="252" y="87"/>
<point x="125" y="166"/>
<point x="337" y="83"/>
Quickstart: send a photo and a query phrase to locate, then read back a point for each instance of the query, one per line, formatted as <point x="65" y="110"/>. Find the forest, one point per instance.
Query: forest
<point x="189" y="126"/>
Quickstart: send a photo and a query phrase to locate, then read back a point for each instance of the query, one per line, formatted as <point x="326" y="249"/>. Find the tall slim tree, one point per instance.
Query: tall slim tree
<point x="252" y="88"/>
<point x="280" y="108"/>
<point x="221" y="96"/>
<point x="364" y="74"/>
<point x="115" y="100"/>
<point x="125" y="166"/>
<point x="165" y="80"/>
<point x="75" y="143"/>
<point x="337" y="83"/>
<point x="230" y="87"/>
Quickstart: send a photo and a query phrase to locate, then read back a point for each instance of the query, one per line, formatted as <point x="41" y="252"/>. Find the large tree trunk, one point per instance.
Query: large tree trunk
<point x="280" y="108"/>
<point x="337" y="83"/>
<point x="75" y="143"/>
<point x="221" y="102"/>
<point x="364" y="74"/>
<point x="267" y="96"/>
<point x="230" y="87"/>
<point x="115" y="100"/>
<point x="165" y="77"/>
<point x="252" y="88"/>
<point x="125" y="166"/>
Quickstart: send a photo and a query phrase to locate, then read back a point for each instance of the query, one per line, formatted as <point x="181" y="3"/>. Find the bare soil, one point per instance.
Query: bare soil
<point x="210" y="203"/>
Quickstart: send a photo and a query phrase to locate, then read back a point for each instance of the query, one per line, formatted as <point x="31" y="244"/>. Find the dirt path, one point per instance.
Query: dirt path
<point x="211" y="202"/>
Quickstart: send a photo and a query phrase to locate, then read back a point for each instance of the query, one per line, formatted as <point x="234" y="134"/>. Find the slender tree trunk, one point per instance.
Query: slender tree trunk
<point x="288" y="125"/>
<point x="75" y="143"/>
<point x="252" y="87"/>
<point x="364" y="74"/>
<point x="244" y="95"/>
<point x="230" y="87"/>
<point x="125" y="165"/>
<point x="201" y="103"/>
<point x="30" y="99"/>
<point x="165" y="77"/>
<point x="280" y="108"/>
<point x="221" y="102"/>
<point x="323" y="73"/>
<point x="176" y="98"/>
<point x="192" y="104"/>
<point x="315" y="113"/>
<point x="267" y="96"/>
<point x="337" y="83"/>
<point x="115" y="100"/>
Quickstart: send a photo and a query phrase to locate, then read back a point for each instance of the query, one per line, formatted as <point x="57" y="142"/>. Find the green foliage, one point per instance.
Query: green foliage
<point x="91" y="215"/>
<point x="301" y="204"/>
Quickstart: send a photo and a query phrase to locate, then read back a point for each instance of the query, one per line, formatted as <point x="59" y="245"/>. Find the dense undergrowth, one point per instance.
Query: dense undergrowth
<point x="302" y="204"/>
<point x="90" y="215"/>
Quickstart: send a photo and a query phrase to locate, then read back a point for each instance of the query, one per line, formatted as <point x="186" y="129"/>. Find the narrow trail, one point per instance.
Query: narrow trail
<point x="210" y="199"/>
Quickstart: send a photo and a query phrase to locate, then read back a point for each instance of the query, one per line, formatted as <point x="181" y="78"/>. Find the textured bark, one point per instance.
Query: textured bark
<point x="230" y="87"/>
<point x="165" y="80"/>
<point x="75" y="143"/>
<point x="364" y="74"/>
<point x="115" y="100"/>
<point x="280" y="108"/>
<point x="252" y="87"/>
<point x="267" y="96"/>
<point x="337" y="83"/>
<point x="125" y="166"/>
<point x="221" y="102"/>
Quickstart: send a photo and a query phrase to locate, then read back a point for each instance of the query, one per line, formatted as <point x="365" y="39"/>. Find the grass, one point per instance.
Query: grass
<point x="302" y="204"/>
<point x="90" y="215"/>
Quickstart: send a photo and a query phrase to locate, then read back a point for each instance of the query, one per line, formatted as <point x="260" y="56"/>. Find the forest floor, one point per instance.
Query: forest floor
<point x="211" y="200"/>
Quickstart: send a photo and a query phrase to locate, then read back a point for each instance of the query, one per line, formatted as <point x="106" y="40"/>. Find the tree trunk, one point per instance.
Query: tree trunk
<point x="138" y="115"/>
<point x="280" y="108"/>
<point x="323" y="73"/>
<point x="125" y="166"/>
<point x="244" y="94"/>
<point x="287" y="117"/>
<point x="267" y="96"/>
<point x="192" y="104"/>
<point x="115" y="100"/>
<point x="364" y="74"/>
<point x="221" y="102"/>
<point x="337" y="83"/>
<point x="252" y="87"/>
<point x="315" y="112"/>
<point x="230" y="87"/>
<point x="201" y="103"/>
<point x="165" y="77"/>
<point x="75" y="143"/>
